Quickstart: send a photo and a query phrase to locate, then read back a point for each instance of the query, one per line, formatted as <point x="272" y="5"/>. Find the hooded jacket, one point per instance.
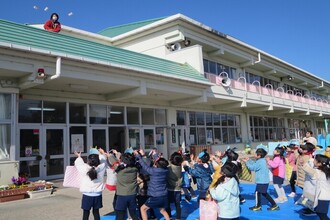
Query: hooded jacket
<point x="227" y="196"/>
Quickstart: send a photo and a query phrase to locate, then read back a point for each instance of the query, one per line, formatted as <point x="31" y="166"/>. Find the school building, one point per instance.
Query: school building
<point x="162" y="83"/>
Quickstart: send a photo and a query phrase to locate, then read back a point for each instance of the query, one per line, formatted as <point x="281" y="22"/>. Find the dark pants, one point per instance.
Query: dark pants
<point x="186" y="193"/>
<point x="293" y="181"/>
<point x="267" y="196"/>
<point x="174" y="197"/>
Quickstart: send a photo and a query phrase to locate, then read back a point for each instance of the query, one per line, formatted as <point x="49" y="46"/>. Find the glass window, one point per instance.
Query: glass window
<point x="29" y="111"/>
<point x="193" y="135"/>
<point x="225" y="135"/>
<point x="180" y="117"/>
<point x="201" y="135"/>
<point x="77" y="113"/>
<point x="160" y="136"/>
<point x="78" y="135"/>
<point x="224" y="121"/>
<point x="54" y="112"/>
<point x="133" y="115"/>
<point x="206" y="65"/>
<point x="116" y="115"/>
<point x="192" y="118"/>
<point x="213" y="67"/>
<point x="5" y="106"/>
<point x="231" y="120"/>
<point x="98" y="114"/>
<point x="209" y="135"/>
<point x="160" y="115"/>
<point x="149" y="139"/>
<point x="148" y="116"/>
<point x="208" y="117"/>
<point x="200" y="118"/>
<point x="216" y="119"/>
<point x="217" y="136"/>
<point x="4" y="141"/>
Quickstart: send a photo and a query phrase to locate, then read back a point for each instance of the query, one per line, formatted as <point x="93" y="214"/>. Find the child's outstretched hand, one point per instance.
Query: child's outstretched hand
<point x="101" y="151"/>
<point x="78" y="154"/>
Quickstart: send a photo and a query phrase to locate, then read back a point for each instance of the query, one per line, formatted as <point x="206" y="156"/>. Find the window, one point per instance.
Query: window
<point x="214" y="128"/>
<point x="116" y="115"/>
<point x="29" y="111"/>
<point x="133" y="115"/>
<point x="160" y="116"/>
<point x="180" y="117"/>
<point x="267" y="128"/>
<point x="5" y="125"/>
<point x="148" y="116"/>
<point x="77" y="113"/>
<point x="97" y="114"/>
<point x="54" y="112"/>
<point x="217" y="68"/>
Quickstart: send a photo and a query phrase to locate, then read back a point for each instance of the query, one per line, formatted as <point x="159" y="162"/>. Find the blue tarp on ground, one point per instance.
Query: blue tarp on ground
<point x="288" y="210"/>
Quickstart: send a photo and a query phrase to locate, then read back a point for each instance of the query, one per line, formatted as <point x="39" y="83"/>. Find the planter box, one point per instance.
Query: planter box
<point x="40" y="193"/>
<point x="14" y="194"/>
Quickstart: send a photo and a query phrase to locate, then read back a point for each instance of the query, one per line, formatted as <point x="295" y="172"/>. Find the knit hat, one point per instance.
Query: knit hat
<point x="93" y="151"/>
<point x="129" y="150"/>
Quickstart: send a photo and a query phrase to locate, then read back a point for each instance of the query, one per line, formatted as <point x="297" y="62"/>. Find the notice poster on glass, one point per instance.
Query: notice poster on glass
<point x="77" y="143"/>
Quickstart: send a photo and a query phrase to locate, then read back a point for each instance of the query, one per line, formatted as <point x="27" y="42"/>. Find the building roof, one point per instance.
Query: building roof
<point x="35" y="39"/>
<point x="121" y="29"/>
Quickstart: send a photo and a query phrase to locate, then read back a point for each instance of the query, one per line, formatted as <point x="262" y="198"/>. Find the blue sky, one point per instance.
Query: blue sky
<point x="296" y="31"/>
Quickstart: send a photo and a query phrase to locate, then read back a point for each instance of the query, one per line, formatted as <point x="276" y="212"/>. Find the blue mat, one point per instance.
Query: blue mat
<point x="288" y="210"/>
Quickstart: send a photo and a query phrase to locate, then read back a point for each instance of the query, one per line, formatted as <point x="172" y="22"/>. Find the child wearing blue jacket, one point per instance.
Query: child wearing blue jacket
<point x="202" y="171"/>
<point x="157" y="186"/>
<point x="262" y="179"/>
<point x="226" y="193"/>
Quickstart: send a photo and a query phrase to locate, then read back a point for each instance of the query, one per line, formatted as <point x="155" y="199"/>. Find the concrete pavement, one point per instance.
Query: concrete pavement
<point x="64" y="204"/>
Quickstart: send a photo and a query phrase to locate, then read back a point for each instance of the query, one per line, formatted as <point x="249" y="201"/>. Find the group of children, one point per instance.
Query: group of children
<point x="152" y="182"/>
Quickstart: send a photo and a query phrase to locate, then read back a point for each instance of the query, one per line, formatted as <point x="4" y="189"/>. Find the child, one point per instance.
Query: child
<point x="53" y="24"/>
<point x="202" y="171"/>
<point x="262" y="179"/>
<point x="217" y="164"/>
<point x="174" y="182"/>
<point x="306" y="182"/>
<point x="188" y="191"/>
<point x="277" y="164"/>
<point x="126" y="188"/>
<point x="291" y="156"/>
<point x="157" y="189"/>
<point x="322" y="176"/>
<point x="226" y="193"/>
<point x="92" y="184"/>
<point x="327" y="151"/>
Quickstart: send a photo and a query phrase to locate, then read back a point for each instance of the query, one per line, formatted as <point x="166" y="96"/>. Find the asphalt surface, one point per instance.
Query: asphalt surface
<point x="64" y="204"/>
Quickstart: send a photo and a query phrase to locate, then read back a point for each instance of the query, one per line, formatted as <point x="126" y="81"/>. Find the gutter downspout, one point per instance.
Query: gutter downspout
<point x="259" y="59"/>
<point x="58" y="69"/>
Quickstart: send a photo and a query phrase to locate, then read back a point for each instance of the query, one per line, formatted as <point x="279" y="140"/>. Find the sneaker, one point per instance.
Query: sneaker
<point x="255" y="208"/>
<point x="273" y="208"/>
<point x="308" y="212"/>
<point x="292" y="194"/>
<point x="242" y="200"/>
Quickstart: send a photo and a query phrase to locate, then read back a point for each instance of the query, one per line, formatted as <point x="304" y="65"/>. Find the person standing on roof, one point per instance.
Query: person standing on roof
<point x="53" y="24"/>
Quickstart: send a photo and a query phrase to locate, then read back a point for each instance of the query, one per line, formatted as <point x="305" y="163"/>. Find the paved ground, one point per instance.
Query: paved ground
<point x="63" y="205"/>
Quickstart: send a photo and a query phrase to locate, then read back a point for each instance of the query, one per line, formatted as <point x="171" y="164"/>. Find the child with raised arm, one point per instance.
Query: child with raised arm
<point x="126" y="188"/>
<point x="174" y="182"/>
<point x="262" y="179"/>
<point x="320" y="172"/>
<point x="226" y="193"/>
<point x="202" y="171"/>
<point x="157" y="186"/>
<point x="277" y="165"/>
<point x="92" y="184"/>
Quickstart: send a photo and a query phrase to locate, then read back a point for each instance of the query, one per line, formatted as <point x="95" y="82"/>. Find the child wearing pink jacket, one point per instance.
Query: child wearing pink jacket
<point x="277" y="165"/>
